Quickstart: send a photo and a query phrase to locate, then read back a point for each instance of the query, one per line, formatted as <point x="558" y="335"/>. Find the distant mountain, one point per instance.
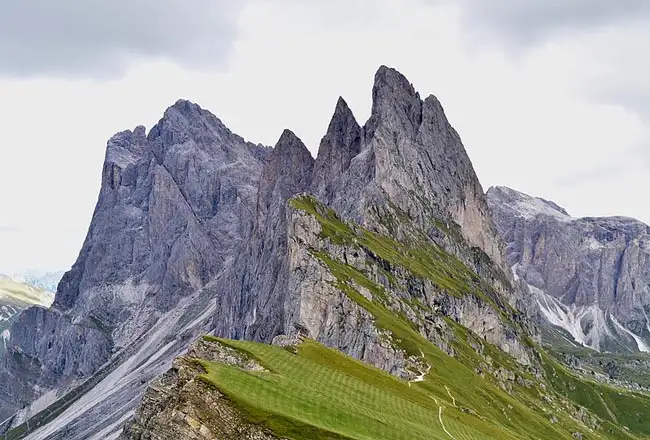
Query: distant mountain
<point x="46" y="281"/>
<point x="16" y="297"/>
<point x="589" y="276"/>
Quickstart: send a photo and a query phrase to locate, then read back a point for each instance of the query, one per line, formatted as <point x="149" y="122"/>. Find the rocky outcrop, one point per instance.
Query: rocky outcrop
<point x="341" y="143"/>
<point x="406" y="164"/>
<point x="589" y="275"/>
<point x="253" y="295"/>
<point x="179" y="405"/>
<point x="413" y="160"/>
<point x="324" y="309"/>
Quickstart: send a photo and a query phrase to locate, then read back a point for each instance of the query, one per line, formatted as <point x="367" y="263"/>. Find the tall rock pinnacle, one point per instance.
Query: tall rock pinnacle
<point x="394" y="102"/>
<point x="341" y="143"/>
<point x="252" y="295"/>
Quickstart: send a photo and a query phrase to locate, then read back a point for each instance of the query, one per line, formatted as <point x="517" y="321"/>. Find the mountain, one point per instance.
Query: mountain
<point x="47" y="281"/>
<point x="173" y="206"/>
<point x="364" y="294"/>
<point x="14" y="298"/>
<point x="589" y="276"/>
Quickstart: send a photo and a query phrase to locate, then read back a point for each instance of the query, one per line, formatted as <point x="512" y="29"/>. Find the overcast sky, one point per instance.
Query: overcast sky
<point x="551" y="97"/>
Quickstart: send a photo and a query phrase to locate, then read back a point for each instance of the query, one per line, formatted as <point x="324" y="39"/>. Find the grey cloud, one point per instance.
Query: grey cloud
<point x="524" y="22"/>
<point x="615" y="70"/>
<point x="102" y="37"/>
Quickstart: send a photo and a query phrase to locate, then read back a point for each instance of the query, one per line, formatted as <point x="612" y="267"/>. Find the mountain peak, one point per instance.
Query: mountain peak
<point x="341" y="106"/>
<point x="524" y="204"/>
<point x="186" y="107"/>
<point x="288" y="139"/>
<point x="341" y="143"/>
<point x="394" y="101"/>
<point x="290" y="156"/>
<point x="390" y="77"/>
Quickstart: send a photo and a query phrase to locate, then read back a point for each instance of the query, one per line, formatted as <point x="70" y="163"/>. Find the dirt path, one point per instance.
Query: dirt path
<point x="442" y="424"/>
<point x="452" y="397"/>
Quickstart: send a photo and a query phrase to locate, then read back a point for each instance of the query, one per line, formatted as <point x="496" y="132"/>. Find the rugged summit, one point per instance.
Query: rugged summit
<point x="174" y="206"/>
<point x="192" y="221"/>
<point x="337" y="149"/>
<point x="411" y="159"/>
<point x="406" y="164"/>
<point x="590" y="276"/>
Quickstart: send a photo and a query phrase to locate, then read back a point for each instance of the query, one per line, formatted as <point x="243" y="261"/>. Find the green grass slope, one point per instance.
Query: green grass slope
<point x="316" y="393"/>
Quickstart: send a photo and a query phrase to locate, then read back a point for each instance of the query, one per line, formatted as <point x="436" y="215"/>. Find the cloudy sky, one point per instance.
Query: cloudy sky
<point x="550" y="96"/>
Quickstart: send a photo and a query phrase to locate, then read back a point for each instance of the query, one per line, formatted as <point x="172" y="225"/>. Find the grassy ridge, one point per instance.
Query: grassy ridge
<point x="23" y="295"/>
<point x="319" y="393"/>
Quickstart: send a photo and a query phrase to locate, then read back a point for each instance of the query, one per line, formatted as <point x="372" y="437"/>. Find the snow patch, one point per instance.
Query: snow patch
<point x="530" y="207"/>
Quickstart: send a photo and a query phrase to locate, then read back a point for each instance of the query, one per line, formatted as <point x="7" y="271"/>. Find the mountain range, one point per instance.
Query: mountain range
<point x="47" y="281"/>
<point x="374" y="292"/>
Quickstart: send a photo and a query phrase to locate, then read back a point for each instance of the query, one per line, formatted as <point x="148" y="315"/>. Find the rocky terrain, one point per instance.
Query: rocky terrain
<point x="589" y="276"/>
<point x="174" y="205"/>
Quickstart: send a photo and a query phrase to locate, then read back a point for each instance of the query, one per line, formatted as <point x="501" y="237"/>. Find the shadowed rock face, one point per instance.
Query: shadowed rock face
<point x="339" y="146"/>
<point x="253" y="294"/>
<point x="591" y="276"/>
<point x="172" y="208"/>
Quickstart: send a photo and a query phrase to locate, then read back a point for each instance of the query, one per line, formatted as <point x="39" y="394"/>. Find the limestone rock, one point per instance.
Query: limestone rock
<point x="174" y="206"/>
<point x="588" y="276"/>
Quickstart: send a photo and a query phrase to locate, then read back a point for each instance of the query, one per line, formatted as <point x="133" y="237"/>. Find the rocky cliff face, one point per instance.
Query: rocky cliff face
<point x="406" y="175"/>
<point x="411" y="159"/>
<point x="589" y="276"/>
<point x="253" y="294"/>
<point x="174" y="206"/>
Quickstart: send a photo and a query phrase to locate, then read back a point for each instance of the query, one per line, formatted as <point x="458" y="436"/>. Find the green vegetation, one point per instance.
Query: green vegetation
<point x="421" y="257"/>
<point x="318" y="393"/>
<point x="478" y="393"/>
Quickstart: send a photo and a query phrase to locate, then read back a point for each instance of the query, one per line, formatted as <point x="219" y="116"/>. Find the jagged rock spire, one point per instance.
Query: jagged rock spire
<point x="394" y="101"/>
<point x="340" y="144"/>
<point x="288" y="170"/>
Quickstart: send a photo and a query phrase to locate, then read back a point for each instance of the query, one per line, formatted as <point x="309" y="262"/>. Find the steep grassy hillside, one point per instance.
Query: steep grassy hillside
<point x="314" y="392"/>
<point x="471" y="390"/>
